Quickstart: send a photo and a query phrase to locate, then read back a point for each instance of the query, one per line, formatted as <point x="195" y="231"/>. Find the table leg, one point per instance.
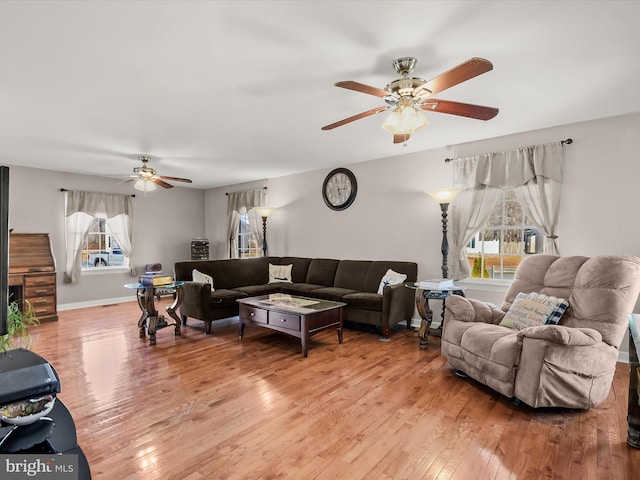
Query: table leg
<point x="241" y="331"/>
<point x="422" y="305"/>
<point x="339" y="328"/>
<point x="633" y="411"/>
<point x="144" y="316"/>
<point x="304" y="338"/>
<point x="152" y="314"/>
<point x="171" y="310"/>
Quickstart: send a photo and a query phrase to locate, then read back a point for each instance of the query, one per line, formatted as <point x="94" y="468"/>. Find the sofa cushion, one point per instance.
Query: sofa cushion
<point x="367" y="301"/>
<point x="351" y="274"/>
<point x="226" y="297"/>
<point x="322" y="271"/>
<point x="303" y="289"/>
<point x="256" y="290"/>
<point x="493" y="349"/>
<point x="332" y="293"/>
<point x="532" y="309"/>
<point x="391" y="278"/>
<point x="280" y="273"/>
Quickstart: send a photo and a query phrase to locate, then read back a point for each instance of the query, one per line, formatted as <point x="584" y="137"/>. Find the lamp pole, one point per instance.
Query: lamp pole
<point x="264" y="212"/>
<point x="445" y="244"/>
<point x="264" y="236"/>
<point x="443" y="197"/>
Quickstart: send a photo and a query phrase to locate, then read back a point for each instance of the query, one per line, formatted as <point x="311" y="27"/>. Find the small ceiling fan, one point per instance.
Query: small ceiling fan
<point x="146" y="178"/>
<point x="408" y="95"/>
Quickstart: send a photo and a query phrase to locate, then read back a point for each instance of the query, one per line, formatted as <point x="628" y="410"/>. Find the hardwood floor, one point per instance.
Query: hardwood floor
<point x="213" y="407"/>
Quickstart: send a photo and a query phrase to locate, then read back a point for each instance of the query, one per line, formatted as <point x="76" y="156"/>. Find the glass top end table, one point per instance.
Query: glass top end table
<point x="424" y="293"/>
<point x="150" y="318"/>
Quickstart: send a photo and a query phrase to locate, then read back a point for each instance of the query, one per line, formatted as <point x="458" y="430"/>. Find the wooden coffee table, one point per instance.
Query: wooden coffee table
<point x="300" y="317"/>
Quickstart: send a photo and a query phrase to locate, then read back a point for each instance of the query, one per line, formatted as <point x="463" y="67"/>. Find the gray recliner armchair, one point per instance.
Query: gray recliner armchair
<point x="570" y="364"/>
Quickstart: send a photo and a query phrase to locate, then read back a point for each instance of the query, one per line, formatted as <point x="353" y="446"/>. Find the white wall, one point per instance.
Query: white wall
<point x="392" y="219"/>
<point x="165" y="221"/>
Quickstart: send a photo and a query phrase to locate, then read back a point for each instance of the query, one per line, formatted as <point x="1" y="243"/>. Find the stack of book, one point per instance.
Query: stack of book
<point x="153" y="277"/>
<point x="436" y="284"/>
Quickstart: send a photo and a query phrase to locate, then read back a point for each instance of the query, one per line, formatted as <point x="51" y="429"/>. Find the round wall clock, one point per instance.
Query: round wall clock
<point x="339" y="189"/>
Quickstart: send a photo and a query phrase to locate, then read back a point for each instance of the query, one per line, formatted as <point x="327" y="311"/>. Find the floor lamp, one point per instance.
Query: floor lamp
<point x="264" y="212"/>
<point x="444" y="197"/>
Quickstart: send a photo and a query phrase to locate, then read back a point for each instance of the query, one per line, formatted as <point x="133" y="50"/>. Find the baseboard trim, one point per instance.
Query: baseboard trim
<point x="95" y="303"/>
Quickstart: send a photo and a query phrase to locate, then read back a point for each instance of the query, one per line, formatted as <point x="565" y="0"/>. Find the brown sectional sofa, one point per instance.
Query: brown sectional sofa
<point x="354" y="282"/>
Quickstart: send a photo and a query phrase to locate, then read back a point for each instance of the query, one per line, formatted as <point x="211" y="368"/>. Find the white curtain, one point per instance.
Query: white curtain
<point x="239" y="203"/>
<point x="469" y="213"/>
<point x="535" y="175"/>
<point x="232" y="229"/>
<point x="80" y="210"/>
<point x="255" y="223"/>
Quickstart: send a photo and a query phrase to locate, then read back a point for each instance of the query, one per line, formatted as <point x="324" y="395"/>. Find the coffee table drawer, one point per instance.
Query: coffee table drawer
<point x="284" y="320"/>
<point x="253" y="314"/>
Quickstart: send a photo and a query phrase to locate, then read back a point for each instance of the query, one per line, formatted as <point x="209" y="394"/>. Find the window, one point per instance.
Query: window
<point x="100" y="248"/>
<point x="247" y="245"/>
<point x="507" y="236"/>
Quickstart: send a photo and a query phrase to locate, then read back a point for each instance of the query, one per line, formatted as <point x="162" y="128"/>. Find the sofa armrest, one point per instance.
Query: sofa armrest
<point x="398" y="303"/>
<point x="562" y="335"/>
<point x="471" y="310"/>
<point x="196" y="300"/>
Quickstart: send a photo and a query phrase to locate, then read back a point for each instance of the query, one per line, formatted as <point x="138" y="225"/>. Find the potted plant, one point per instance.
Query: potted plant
<point x="22" y="326"/>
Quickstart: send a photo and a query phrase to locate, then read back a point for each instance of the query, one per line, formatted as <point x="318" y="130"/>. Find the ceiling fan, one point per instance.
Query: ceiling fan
<point x="146" y="178"/>
<point x="408" y="95"/>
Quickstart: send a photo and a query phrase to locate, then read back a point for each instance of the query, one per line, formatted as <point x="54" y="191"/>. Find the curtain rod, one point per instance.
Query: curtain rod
<point x="65" y="190"/>
<point x="568" y="141"/>
<point x="264" y="188"/>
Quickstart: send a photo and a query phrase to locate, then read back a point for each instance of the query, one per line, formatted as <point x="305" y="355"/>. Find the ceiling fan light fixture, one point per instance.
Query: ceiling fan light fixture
<point x="405" y="121"/>
<point x="144" y="185"/>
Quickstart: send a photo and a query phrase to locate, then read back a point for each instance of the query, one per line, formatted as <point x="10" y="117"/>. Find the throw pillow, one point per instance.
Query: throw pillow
<point x="391" y="278"/>
<point x="202" y="278"/>
<point x="280" y="273"/>
<point x="531" y="309"/>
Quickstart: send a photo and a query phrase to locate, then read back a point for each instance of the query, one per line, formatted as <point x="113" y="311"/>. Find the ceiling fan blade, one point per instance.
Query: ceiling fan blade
<point x="462" y="109"/>
<point x="471" y="68"/>
<point x="355" y="117"/>
<point x="401" y="137"/>
<point x="128" y="180"/>
<point x="162" y="183"/>
<point x="361" y="87"/>
<point x="176" y="179"/>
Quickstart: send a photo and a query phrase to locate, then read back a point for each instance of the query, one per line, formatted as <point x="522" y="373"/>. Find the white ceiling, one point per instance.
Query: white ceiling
<point x="229" y="92"/>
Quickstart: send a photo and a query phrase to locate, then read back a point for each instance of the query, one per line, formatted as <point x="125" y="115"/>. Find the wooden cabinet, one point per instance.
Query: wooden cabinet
<point x="32" y="273"/>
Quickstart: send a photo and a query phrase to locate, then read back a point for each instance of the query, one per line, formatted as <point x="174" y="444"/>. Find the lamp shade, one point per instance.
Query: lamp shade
<point x="144" y="185"/>
<point x="264" y="211"/>
<point x="444" y="195"/>
<point x="405" y="120"/>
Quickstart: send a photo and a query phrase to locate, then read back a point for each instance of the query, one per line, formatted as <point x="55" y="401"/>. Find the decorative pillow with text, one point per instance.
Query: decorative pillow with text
<point x="531" y="309"/>
<point x="202" y="278"/>
<point x="280" y="273"/>
<point x="391" y="278"/>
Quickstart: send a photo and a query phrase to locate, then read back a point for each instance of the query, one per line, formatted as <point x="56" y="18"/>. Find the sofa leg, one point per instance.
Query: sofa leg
<point x="516" y="401"/>
<point x="184" y="319"/>
<point x="461" y="374"/>
<point x="207" y="328"/>
<point x="385" y="334"/>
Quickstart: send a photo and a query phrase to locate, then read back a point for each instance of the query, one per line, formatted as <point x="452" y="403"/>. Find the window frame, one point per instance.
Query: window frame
<point x="249" y="236"/>
<point x="109" y="237"/>
<point x="523" y="225"/>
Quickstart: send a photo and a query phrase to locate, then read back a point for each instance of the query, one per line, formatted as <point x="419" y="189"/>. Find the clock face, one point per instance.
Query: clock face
<point x="339" y="189"/>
